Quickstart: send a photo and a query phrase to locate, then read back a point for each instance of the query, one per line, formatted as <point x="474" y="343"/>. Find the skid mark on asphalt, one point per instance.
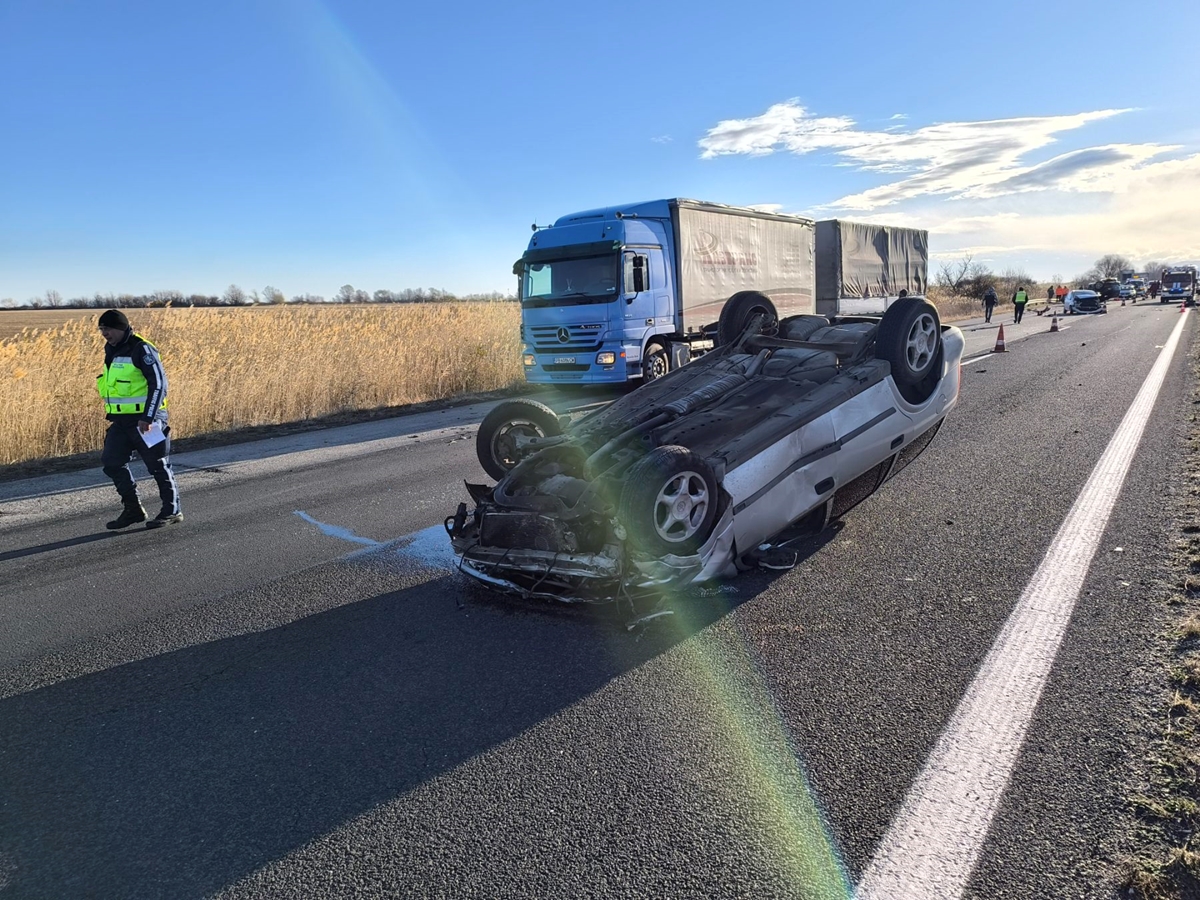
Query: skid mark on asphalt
<point x="429" y="547"/>
<point x="338" y="531"/>
<point x="935" y="840"/>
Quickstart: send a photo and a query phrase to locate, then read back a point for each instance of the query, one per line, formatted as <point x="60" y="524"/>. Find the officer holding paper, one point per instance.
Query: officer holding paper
<point x="133" y="387"/>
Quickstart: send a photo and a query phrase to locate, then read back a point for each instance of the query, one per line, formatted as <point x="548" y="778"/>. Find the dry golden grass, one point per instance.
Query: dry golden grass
<point x="234" y="368"/>
<point x="954" y="307"/>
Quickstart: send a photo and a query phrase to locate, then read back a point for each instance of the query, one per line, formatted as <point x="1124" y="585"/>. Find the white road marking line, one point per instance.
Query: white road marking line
<point x="975" y="359"/>
<point x="935" y="840"/>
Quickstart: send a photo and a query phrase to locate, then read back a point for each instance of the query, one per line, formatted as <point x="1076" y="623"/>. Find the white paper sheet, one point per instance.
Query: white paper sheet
<point x="154" y="435"/>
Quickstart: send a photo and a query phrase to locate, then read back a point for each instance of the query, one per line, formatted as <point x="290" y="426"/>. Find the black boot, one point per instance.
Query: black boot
<point x="166" y="517"/>
<point x="131" y="515"/>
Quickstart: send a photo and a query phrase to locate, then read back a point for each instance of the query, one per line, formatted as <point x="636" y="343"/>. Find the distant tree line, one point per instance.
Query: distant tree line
<point x="235" y="296"/>
<point x="967" y="277"/>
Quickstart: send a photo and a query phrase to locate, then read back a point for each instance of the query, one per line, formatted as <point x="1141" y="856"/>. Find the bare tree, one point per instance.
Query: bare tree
<point x="1111" y="265"/>
<point x="234" y="296"/>
<point x="53" y="299"/>
<point x="345" y="294"/>
<point x="952" y="275"/>
<point x="272" y="295"/>
<point x="1154" y="270"/>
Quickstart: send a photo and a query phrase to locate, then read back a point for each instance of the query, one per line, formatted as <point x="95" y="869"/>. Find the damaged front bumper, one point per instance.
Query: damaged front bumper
<point x="616" y="572"/>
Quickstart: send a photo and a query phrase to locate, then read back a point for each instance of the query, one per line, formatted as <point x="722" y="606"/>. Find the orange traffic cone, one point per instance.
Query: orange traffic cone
<point x="1054" y="323"/>
<point x="1183" y="306"/>
<point x="1000" y="341"/>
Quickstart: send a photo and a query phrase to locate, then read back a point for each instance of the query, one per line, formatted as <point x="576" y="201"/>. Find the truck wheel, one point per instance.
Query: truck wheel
<point x="655" y="362"/>
<point x="495" y="444"/>
<point x="669" y="502"/>
<point x="739" y="310"/>
<point x="910" y="338"/>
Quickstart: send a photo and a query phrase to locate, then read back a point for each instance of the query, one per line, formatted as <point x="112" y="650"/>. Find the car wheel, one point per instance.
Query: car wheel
<point x="655" y="362"/>
<point x="495" y="444"/>
<point x="739" y="310"/>
<point x="910" y="338"/>
<point x="669" y="502"/>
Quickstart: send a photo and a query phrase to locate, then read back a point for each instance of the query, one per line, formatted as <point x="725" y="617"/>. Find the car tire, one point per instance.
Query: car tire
<point x="910" y="339"/>
<point x="739" y="310"/>
<point x="669" y="502"/>
<point x="494" y="443"/>
<point x="655" y="362"/>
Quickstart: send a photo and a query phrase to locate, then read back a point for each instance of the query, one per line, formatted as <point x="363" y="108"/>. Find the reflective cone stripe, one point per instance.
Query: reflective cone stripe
<point x="1000" y="341"/>
<point x="1054" y="323"/>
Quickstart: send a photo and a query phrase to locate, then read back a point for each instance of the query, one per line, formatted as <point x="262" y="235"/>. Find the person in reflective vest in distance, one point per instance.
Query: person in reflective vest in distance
<point x="133" y="387"/>
<point x="1020" y="298"/>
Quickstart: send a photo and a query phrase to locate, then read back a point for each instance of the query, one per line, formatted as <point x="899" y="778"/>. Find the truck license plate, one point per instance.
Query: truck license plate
<point x="560" y="360"/>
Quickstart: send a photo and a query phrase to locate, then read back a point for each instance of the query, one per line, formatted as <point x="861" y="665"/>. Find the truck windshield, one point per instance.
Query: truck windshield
<point x="567" y="282"/>
<point x="1183" y="279"/>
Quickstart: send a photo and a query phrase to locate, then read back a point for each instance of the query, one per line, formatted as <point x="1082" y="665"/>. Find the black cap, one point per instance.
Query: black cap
<point x="114" y="318"/>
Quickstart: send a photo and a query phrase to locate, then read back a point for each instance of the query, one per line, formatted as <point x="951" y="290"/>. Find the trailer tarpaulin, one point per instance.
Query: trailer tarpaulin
<point x="723" y="250"/>
<point x="857" y="261"/>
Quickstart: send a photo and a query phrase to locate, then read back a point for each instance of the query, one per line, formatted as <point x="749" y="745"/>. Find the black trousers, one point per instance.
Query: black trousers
<point x="987" y="311"/>
<point x="120" y="443"/>
<point x="1018" y="311"/>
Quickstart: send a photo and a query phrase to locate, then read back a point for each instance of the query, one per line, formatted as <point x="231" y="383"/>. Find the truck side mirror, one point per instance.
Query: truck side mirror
<point x="637" y="275"/>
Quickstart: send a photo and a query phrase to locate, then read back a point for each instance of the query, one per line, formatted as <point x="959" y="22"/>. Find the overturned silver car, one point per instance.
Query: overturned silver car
<point x="686" y="477"/>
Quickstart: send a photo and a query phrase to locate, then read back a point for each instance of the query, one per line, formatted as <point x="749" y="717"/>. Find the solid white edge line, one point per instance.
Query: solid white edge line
<point x="934" y="842"/>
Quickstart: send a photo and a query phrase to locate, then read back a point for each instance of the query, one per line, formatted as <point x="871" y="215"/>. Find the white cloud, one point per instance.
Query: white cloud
<point x="949" y="159"/>
<point x="1150" y="212"/>
<point x="661" y="139"/>
<point x="983" y="187"/>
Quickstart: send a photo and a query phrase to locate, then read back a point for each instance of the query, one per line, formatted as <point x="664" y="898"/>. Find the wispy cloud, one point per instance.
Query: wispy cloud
<point x="953" y="160"/>
<point x="661" y="139"/>
<point x="1149" y="213"/>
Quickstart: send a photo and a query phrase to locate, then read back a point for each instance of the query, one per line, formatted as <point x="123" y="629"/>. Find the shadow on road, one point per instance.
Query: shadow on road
<point x="177" y="775"/>
<point x="59" y="545"/>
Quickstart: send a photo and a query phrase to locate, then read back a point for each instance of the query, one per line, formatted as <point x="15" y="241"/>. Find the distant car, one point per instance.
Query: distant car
<point x="1084" y="302"/>
<point x="1109" y="289"/>
<point x="687" y="476"/>
<point x="1128" y="291"/>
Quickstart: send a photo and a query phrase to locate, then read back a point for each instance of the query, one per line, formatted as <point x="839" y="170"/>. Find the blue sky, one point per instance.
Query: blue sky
<point x="307" y="144"/>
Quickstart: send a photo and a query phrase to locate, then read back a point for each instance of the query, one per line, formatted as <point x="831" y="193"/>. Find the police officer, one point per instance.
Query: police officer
<point x="1020" y="298"/>
<point x="134" y="390"/>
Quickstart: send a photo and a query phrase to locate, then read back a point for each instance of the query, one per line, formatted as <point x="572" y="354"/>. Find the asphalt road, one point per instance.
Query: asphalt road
<point x="292" y="694"/>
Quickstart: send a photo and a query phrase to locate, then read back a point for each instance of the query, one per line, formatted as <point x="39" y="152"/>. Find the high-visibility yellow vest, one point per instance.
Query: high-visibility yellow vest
<point x="1021" y="297"/>
<point x="123" y="387"/>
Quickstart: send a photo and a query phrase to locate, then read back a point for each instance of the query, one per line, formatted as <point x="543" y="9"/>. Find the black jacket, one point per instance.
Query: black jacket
<point x="146" y="359"/>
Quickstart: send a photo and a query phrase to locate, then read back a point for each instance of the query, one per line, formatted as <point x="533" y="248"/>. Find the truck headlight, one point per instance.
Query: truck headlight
<point x="530" y="360"/>
<point x="607" y="358"/>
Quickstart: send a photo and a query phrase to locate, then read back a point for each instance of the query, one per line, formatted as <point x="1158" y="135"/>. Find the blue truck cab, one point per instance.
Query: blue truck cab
<point x="631" y="292"/>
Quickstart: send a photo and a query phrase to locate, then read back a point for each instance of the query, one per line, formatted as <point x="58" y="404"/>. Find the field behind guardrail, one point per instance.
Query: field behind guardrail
<point x="246" y="366"/>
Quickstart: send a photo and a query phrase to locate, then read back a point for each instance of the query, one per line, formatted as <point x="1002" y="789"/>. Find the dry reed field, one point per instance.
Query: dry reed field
<point x="233" y="368"/>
